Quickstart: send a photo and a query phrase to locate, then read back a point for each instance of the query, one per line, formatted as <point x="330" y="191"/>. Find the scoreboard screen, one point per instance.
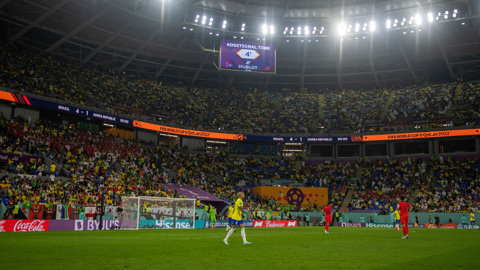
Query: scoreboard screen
<point x="247" y="56"/>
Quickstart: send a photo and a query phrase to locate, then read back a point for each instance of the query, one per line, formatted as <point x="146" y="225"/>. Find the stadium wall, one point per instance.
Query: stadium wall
<point x="423" y="217"/>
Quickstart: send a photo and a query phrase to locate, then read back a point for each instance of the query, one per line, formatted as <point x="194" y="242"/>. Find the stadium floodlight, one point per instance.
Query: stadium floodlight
<point x="357" y="27"/>
<point x="272" y="29"/>
<point x="210" y="33"/>
<point x="184" y="28"/>
<point x="341" y="29"/>
<point x="364" y="27"/>
<point x="299" y="30"/>
<point x="455" y="11"/>
<point x="197" y="18"/>
<point x="306" y="30"/>
<point x="373" y="26"/>
<point x="243" y="27"/>
<point x="388" y="24"/>
<point x="430" y="17"/>
<point x="264" y="29"/>
<point x="418" y="19"/>
<point x="204" y="19"/>
<point x="224" y="25"/>
<point x="321" y="30"/>
<point x="210" y="22"/>
<point x="446" y="15"/>
<point x="314" y="30"/>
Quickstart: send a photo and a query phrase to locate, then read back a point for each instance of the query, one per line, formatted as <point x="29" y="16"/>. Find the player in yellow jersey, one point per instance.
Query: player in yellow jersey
<point x="231" y="209"/>
<point x="397" y="220"/>
<point x="237" y="220"/>
<point x="472" y="218"/>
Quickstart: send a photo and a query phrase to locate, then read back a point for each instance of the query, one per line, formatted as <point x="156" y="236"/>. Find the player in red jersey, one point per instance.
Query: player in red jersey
<point x="404" y="208"/>
<point x="327" y="211"/>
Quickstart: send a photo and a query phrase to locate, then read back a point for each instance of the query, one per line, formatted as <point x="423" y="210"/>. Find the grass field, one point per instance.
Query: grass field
<point x="272" y="248"/>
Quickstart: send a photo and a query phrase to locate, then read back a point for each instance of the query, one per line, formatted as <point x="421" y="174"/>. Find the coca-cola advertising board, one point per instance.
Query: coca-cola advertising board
<point x="274" y="223"/>
<point x="24" y="225"/>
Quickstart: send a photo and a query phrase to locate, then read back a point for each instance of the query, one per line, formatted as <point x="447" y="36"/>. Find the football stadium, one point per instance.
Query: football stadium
<point x="239" y="134"/>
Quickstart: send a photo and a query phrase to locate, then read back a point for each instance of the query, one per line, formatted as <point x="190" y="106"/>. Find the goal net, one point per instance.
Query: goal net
<point x="156" y="213"/>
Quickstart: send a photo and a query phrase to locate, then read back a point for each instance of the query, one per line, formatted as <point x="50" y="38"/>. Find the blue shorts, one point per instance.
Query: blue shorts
<point x="236" y="222"/>
<point x="397" y="220"/>
<point x="472" y="222"/>
<point x="230" y="220"/>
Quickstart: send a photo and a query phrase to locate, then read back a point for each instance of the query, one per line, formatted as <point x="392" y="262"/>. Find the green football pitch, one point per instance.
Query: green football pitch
<point x="272" y="248"/>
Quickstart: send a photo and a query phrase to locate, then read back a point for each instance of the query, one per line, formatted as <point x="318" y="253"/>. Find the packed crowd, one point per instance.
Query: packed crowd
<point x="467" y="104"/>
<point x="88" y="164"/>
<point x="444" y="185"/>
<point x="381" y="183"/>
<point x="347" y="110"/>
<point x="235" y="110"/>
<point x="455" y="187"/>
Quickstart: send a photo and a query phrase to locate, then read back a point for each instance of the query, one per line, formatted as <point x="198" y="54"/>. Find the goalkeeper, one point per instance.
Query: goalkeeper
<point x="213" y="216"/>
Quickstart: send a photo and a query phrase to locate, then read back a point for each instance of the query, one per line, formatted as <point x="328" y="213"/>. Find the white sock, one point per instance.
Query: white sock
<point x="230" y="232"/>
<point x="243" y="235"/>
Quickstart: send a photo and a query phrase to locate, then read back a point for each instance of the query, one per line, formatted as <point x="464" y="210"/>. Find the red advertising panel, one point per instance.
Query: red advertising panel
<point x="448" y="226"/>
<point x="274" y="223"/>
<point x="24" y="225"/>
<point x="442" y="226"/>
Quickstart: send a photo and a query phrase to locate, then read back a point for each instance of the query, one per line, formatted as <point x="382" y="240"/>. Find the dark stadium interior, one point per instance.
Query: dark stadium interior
<point x="147" y="37"/>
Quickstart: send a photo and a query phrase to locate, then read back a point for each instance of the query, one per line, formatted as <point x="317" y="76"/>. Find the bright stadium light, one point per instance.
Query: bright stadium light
<point x="341" y="29"/>
<point x="306" y="30"/>
<point x="224" y="25"/>
<point x="446" y="15"/>
<point x="210" y="22"/>
<point x="314" y="30"/>
<point x="197" y="18"/>
<point x="364" y="27"/>
<point x="243" y="27"/>
<point x="373" y="26"/>
<point x="204" y="19"/>
<point x="272" y="29"/>
<point x="388" y="24"/>
<point x="430" y="17"/>
<point x="418" y="19"/>
<point x="455" y="11"/>
<point x="357" y="27"/>
<point x="299" y="30"/>
<point x="264" y="29"/>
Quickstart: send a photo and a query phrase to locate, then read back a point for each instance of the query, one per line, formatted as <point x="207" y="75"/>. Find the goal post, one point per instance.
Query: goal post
<point x="144" y="212"/>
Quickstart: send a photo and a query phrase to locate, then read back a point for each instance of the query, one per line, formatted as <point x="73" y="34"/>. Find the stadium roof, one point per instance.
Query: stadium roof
<point x="159" y="38"/>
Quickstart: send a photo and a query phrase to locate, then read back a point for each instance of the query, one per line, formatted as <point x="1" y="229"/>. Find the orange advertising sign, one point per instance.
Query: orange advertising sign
<point x="421" y="135"/>
<point x="187" y="132"/>
<point x="7" y="96"/>
<point x="294" y="195"/>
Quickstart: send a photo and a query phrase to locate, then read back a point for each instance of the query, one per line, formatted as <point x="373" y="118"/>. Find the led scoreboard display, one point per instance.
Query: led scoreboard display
<point x="247" y="56"/>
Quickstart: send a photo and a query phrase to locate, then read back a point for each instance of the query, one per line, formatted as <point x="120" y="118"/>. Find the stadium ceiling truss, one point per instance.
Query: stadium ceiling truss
<point x="154" y="38"/>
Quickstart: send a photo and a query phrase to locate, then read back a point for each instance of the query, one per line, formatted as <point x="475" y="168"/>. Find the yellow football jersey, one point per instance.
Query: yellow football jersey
<point x="237" y="214"/>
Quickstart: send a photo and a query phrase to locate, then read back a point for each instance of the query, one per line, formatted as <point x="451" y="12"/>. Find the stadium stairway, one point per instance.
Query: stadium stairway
<point x="321" y="106"/>
<point x="414" y="196"/>
<point x="383" y="113"/>
<point x="346" y="200"/>
<point x="456" y="97"/>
